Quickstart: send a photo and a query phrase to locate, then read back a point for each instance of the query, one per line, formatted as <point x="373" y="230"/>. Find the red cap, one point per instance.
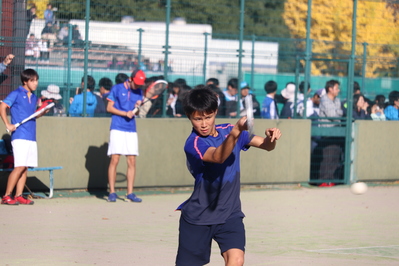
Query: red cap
<point x="138" y="77"/>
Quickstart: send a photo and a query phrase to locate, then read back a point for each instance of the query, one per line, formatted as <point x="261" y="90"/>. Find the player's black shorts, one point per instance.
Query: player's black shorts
<point x="195" y="240"/>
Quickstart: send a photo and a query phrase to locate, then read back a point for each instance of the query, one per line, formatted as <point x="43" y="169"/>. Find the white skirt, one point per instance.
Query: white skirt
<point x="123" y="143"/>
<point x="25" y="152"/>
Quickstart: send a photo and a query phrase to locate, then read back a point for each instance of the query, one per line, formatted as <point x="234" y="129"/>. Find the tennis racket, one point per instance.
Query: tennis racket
<point x="152" y="92"/>
<point x="36" y="114"/>
<point x="249" y="108"/>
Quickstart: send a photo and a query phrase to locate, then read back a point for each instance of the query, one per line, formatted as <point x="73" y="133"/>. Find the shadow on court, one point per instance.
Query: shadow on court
<point x="96" y="164"/>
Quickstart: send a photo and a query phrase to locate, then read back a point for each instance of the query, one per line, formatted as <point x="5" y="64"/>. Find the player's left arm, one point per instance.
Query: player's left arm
<point x="269" y="142"/>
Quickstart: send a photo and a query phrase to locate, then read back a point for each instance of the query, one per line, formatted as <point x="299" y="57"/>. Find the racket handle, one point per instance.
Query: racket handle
<point x="135" y="110"/>
<point x="16" y="126"/>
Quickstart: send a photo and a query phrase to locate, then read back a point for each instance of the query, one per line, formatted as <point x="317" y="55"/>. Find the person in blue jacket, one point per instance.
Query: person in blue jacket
<point x="76" y="108"/>
<point x="392" y="110"/>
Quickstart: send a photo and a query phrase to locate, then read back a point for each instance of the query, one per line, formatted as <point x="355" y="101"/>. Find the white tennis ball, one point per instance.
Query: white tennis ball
<point x="359" y="188"/>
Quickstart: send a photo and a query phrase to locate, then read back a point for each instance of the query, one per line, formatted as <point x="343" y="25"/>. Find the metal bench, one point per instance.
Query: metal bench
<point x="35" y="169"/>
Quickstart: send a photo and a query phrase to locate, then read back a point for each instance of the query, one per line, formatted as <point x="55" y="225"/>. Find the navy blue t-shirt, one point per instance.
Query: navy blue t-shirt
<point x="216" y="195"/>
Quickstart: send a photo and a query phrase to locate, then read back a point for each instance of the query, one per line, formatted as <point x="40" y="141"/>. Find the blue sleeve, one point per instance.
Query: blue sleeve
<point x="391" y="113"/>
<point x="265" y="109"/>
<point x="76" y="107"/>
<point x="111" y="95"/>
<point x="10" y="99"/>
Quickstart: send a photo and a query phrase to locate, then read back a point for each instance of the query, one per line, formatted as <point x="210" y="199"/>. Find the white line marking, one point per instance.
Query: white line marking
<point x="335" y="249"/>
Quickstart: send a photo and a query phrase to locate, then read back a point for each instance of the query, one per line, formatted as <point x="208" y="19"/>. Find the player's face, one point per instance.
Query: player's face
<point x="203" y="123"/>
<point x="31" y="84"/>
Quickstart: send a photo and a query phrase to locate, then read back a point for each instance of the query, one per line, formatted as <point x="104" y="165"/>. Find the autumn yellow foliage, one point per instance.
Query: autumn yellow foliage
<point x="41" y="6"/>
<point x="331" y="30"/>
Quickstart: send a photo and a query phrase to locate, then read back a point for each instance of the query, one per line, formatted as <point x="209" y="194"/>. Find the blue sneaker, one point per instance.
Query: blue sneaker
<point x="132" y="198"/>
<point x="112" y="197"/>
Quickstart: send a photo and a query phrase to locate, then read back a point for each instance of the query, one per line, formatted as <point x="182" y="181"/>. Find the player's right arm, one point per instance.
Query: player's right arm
<point x="221" y="153"/>
<point x="3" y="113"/>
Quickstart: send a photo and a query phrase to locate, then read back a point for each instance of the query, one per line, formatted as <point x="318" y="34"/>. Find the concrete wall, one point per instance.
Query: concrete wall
<point x="376" y="150"/>
<point x="80" y="145"/>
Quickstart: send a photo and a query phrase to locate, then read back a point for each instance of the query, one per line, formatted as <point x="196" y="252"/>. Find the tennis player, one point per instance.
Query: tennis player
<point x="123" y="98"/>
<point x="22" y="104"/>
<point x="213" y="211"/>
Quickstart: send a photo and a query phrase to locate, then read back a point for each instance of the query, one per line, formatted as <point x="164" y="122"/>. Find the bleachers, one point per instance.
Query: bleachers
<point x="99" y="56"/>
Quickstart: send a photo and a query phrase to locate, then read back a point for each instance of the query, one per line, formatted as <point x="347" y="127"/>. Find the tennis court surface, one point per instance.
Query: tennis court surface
<point x="285" y="225"/>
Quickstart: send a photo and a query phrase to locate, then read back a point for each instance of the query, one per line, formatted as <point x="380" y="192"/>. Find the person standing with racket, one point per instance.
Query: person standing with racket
<point x="123" y="99"/>
<point x="22" y="104"/>
<point x="213" y="211"/>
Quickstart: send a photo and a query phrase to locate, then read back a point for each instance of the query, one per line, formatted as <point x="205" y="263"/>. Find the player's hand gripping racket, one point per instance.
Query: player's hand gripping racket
<point x="249" y="108"/>
<point x="152" y="92"/>
<point x="36" y="114"/>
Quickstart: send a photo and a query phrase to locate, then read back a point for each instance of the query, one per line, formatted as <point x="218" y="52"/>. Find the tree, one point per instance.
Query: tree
<point x="332" y="28"/>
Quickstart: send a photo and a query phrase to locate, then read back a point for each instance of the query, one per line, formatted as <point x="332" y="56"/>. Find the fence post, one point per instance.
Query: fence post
<point x="308" y="57"/>
<point x="206" y="34"/>
<point x="86" y="56"/>
<point x="240" y="55"/>
<point x="349" y="125"/>
<point x="253" y="62"/>
<point x="364" y="65"/>
<point x="140" y="44"/>
<point x="69" y="63"/>
<point x="166" y="47"/>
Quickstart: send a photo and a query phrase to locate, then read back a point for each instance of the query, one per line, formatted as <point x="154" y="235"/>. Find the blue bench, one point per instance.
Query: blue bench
<point x="35" y="169"/>
<point x="5" y="152"/>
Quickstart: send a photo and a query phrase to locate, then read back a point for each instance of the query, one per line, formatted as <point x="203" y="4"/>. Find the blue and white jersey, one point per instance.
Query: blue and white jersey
<point x="124" y="99"/>
<point x="21" y="107"/>
<point x="216" y="195"/>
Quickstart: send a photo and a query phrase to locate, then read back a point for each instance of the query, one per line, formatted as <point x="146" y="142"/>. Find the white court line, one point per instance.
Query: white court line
<point x="335" y="249"/>
<point x="356" y="248"/>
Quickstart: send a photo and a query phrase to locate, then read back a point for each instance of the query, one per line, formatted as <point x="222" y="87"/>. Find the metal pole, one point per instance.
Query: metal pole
<point x="351" y="70"/>
<point x="240" y="55"/>
<point x="364" y="65"/>
<point x="206" y="34"/>
<point x="86" y="56"/>
<point x="69" y="63"/>
<point x="140" y="44"/>
<point x="253" y="62"/>
<point x="166" y="47"/>
<point x="308" y="56"/>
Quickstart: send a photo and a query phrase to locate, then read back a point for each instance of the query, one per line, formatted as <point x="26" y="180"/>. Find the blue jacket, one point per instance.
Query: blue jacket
<point x="266" y="109"/>
<point x="391" y="113"/>
<point x="76" y="108"/>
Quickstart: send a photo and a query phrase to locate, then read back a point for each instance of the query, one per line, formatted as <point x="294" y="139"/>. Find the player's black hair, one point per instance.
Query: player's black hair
<point x="380" y="101"/>
<point x="120" y="78"/>
<point x="106" y="83"/>
<point x="202" y="100"/>
<point x="356" y="99"/>
<point x="214" y="81"/>
<point x="356" y="87"/>
<point x="91" y="83"/>
<point x="393" y="96"/>
<point x="181" y="81"/>
<point x="233" y="83"/>
<point x="270" y="86"/>
<point x="28" y="74"/>
<point x="302" y="87"/>
<point x="330" y="84"/>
